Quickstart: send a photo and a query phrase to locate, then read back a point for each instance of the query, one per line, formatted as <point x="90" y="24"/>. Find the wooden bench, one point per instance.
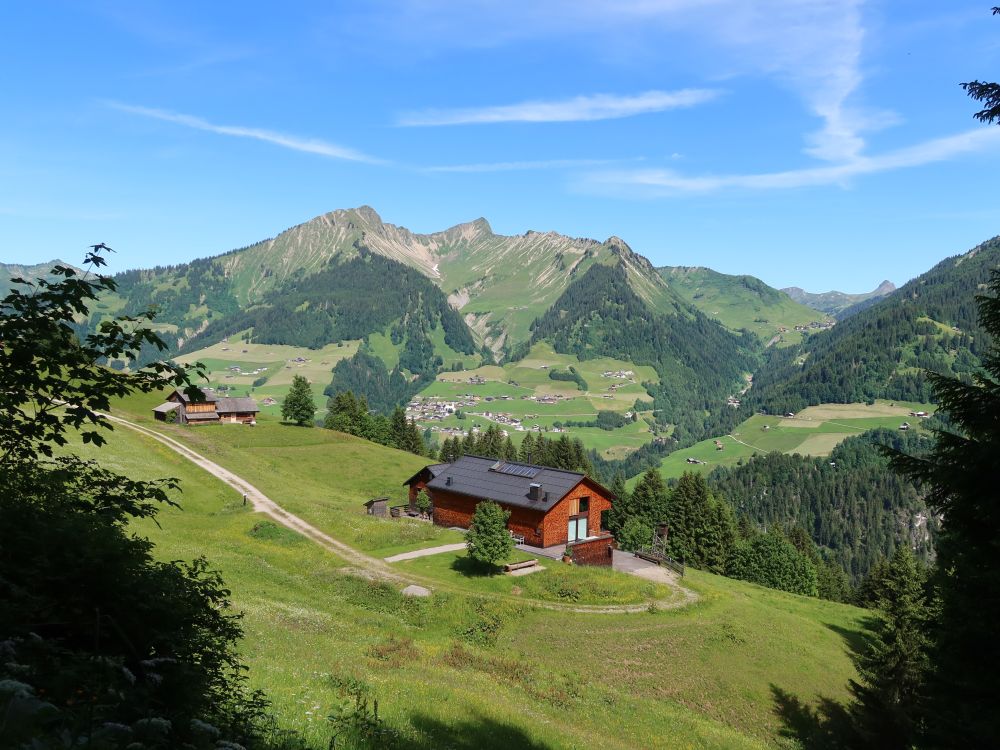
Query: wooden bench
<point x="511" y="567"/>
<point x="518" y="538"/>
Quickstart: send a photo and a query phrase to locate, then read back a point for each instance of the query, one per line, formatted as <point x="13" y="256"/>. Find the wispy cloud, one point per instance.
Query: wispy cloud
<point x="669" y="182"/>
<point x="515" y="166"/>
<point x="813" y="48"/>
<point x="577" y="109"/>
<point x="296" y="143"/>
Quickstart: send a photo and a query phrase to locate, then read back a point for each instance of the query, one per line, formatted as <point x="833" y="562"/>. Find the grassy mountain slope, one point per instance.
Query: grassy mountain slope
<point x="839" y="304"/>
<point x="742" y="302"/>
<point x="500" y="284"/>
<point x="734" y="671"/>
<point x="881" y="352"/>
<point x="698" y="362"/>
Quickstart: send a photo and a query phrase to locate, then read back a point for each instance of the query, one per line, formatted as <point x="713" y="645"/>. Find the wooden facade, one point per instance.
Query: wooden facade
<point x="213" y="409"/>
<point x="577" y="513"/>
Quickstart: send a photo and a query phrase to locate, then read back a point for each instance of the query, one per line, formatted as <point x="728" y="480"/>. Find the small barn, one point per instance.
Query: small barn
<point x="211" y="408"/>
<point x="547" y="506"/>
<point x="378" y="506"/>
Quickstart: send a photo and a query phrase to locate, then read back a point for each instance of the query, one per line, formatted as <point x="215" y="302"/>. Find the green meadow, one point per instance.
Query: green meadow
<point x="530" y="377"/>
<point x="279" y="362"/>
<point x="476" y="665"/>
<point x="814" y="431"/>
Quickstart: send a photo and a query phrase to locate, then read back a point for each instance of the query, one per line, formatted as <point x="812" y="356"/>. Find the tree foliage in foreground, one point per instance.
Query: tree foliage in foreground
<point x="962" y="476"/>
<point x="101" y="645"/>
<point x="893" y="666"/>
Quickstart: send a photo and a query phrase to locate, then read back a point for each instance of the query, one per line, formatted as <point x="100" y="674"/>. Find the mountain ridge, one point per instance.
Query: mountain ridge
<point x="838" y="304"/>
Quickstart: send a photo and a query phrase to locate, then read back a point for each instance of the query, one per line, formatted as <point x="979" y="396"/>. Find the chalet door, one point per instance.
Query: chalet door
<point x="577" y="529"/>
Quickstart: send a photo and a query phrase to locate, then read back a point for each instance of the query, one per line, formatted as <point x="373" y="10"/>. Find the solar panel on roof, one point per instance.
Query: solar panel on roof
<point x="517" y="470"/>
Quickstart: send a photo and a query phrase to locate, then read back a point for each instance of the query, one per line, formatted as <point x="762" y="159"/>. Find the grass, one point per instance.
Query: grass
<point x="568" y="584"/>
<point x="280" y="363"/>
<point x="467" y="670"/>
<point x="735" y="305"/>
<point x="530" y="377"/>
<point x="814" y="431"/>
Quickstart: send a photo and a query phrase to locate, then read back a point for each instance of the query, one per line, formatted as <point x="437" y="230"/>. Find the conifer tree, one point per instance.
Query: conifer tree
<point x="649" y="499"/>
<point x="962" y="476"/>
<point x="414" y="440"/>
<point x="527" y="454"/>
<point x="298" y="405"/>
<point x="399" y="429"/>
<point x="469" y="443"/>
<point x="620" y="504"/>
<point x="893" y="666"/>
<point x="509" y="452"/>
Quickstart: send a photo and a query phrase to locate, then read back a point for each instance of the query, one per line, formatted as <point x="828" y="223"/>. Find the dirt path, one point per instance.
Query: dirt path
<point x="458" y="546"/>
<point x="364" y="565"/>
<point x="374" y="567"/>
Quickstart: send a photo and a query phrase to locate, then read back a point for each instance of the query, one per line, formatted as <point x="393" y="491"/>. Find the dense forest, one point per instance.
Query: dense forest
<point x="882" y="351"/>
<point x="349" y="300"/>
<point x="366" y="375"/>
<point x="852" y="506"/>
<point x="699" y="363"/>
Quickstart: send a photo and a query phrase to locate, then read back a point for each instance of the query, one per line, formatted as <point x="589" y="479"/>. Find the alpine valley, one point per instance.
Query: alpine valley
<point x="679" y="368"/>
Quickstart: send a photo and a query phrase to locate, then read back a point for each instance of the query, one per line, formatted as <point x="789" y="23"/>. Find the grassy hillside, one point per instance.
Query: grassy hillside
<point x="464" y="671"/>
<point x="740" y="302"/>
<point x="814" y="431"/>
<point x="513" y="390"/>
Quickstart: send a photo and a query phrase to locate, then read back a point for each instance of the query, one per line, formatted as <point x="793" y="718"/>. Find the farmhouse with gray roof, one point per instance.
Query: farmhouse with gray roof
<point x="211" y="408"/>
<point x="547" y="506"/>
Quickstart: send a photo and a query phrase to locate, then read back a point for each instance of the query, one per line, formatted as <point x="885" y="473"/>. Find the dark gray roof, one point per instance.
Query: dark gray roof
<point x="505" y="481"/>
<point x="209" y="396"/>
<point x="434" y="469"/>
<point x="237" y="404"/>
<point x="168" y="406"/>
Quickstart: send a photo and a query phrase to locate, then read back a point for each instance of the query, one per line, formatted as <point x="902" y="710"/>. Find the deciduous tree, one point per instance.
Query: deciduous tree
<point x="298" y="405"/>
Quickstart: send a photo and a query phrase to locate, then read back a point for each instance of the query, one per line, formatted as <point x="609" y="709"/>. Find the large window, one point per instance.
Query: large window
<point x="577" y="528"/>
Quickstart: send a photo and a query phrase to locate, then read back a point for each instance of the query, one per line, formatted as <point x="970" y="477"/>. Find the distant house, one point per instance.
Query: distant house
<point x="547" y="506"/>
<point x="213" y="408"/>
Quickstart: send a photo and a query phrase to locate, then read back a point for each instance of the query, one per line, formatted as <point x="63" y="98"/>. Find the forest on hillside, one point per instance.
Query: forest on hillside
<point x="698" y="362"/>
<point x="882" y="351"/>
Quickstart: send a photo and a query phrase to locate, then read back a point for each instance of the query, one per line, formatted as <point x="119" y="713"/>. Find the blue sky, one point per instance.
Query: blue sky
<point x="818" y="143"/>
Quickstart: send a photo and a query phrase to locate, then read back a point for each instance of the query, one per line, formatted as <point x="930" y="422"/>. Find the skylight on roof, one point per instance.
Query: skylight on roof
<point x="517" y="470"/>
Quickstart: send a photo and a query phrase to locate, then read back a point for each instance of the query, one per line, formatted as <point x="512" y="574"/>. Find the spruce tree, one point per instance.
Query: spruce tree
<point x="509" y="452"/>
<point x="298" y="405"/>
<point x="527" y="454"/>
<point x="620" y="504"/>
<point x="649" y="499"/>
<point x="399" y="429"/>
<point x="962" y="474"/>
<point x="893" y="666"/>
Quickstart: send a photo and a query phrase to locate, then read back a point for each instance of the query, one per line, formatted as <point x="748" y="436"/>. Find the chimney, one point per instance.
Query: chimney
<point x="447" y="481"/>
<point x="534" y="491"/>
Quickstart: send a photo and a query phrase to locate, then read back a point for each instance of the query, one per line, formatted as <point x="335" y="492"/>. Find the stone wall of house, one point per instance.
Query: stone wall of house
<point x="593" y="551"/>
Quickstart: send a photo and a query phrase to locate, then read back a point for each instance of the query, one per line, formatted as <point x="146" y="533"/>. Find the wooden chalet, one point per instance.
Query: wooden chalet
<point x="547" y="506"/>
<point x="212" y="409"/>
